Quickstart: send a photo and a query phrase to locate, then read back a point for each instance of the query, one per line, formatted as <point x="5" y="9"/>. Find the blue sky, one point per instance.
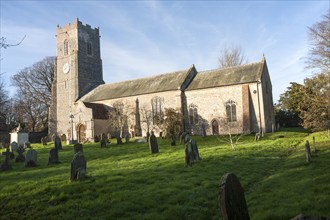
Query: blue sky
<point x="142" y="38"/>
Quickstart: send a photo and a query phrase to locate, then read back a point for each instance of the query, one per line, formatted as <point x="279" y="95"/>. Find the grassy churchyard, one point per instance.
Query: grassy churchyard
<point x="128" y="182"/>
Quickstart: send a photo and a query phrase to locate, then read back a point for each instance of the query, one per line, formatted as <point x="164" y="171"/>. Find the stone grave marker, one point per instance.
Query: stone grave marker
<point x="314" y="145"/>
<point x="119" y="140"/>
<point x="96" y="139"/>
<point x="257" y="137"/>
<point x="27" y="145"/>
<point x="78" y="166"/>
<point x="20" y="158"/>
<point x="182" y="136"/>
<point x="189" y="154"/>
<point x="77" y="148"/>
<point x="103" y="141"/>
<point x="63" y="138"/>
<point x="203" y="131"/>
<point x="195" y="150"/>
<point x="308" y="217"/>
<point x="31" y="158"/>
<point x="53" y="156"/>
<point x="231" y="198"/>
<point x="153" y="145"/>
<point x="6" y="165"/>
<point x="44" y="140"/>
<point x="308" y="152"/>
<point x="13" y="146"/>
<point x="58" y="142"/>
<point x="161" y="135"/>
<point x="148" y="135"/>
<point x="127" y="137"/>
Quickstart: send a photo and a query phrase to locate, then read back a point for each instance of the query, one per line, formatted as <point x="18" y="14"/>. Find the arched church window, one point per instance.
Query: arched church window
<point x="89" y="48"/>
<point x="157" y="107"/>
<point x="231" y="110"/>
<point x="66" y="47"/>
<point x="193" y="114"/>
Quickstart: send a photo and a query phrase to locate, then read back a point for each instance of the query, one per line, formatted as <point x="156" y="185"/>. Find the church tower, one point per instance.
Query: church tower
<point x="78" y="71"/>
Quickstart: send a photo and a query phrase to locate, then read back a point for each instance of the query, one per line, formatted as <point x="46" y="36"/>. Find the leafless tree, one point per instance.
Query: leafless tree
<point x="5" y="45"/>
<point x="319" y="53"/>
<point x="231" y="56"/>
<point x="4" y="104"/>
<point x="146" y="116"/>
<point x="33" y="96"/>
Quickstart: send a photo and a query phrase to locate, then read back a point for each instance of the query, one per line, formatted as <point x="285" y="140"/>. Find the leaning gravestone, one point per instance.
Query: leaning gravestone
<point x="58" y="143"/>
<point x="308" y="152"/>
<point x="31" y="158"/>
<point x="53" y="156"/>
<point x="13" y="146"/>
<point x="20" y="157"/>
<point x="231" y="198"/>
<point x="77" y="147"/>
<point x="6" y="165"/>
<point x="153" y="143"/>
<point x="103" y="141"/>
<point x="78" y="166"/>
<point x="27" y="145"/>
<point x="189" y="154"/>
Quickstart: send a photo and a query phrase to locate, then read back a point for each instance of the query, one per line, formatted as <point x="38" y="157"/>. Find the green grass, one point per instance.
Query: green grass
<point x="127" y="182"/>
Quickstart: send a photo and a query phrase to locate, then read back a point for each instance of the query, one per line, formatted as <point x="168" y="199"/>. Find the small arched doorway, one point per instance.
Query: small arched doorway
<point x="81" y="133"/>
<point x="215" y="127"/>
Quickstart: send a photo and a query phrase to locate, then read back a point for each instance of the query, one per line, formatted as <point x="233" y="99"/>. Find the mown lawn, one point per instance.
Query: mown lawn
<point x="127" y="182"/>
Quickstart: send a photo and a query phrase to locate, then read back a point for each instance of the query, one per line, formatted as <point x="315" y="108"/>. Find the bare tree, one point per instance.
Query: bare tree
<point x="4" y="104"/>
<point x="5" y="45"/>
<point x="33" y="96"/>
<point x="231" y="56"/>
<point x="319" y="54"/>
<point x="146" y="115"/>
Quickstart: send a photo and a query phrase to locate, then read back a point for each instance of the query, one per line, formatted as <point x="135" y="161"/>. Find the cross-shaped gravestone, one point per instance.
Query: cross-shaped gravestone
<point x="232" y="199"/>
<point x="6" y="165"/>
<point x="20" y="158"/>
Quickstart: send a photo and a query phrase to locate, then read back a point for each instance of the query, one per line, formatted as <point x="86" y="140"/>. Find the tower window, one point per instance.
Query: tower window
<point x="89" y="48"/>
<point x="66" y="47"/>
<point x="231" y="111"/>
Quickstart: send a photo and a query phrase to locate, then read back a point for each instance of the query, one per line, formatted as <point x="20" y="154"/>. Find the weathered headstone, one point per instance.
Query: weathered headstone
<point x="13" y="146"/>
<point x="182" y="137"/>
<point x="77" y="147"/>
<point x="58" y="142"/>
<point x="189" y="155"/>
<point x="103" y="140"/>
<point x="126" y="137"/>
<point x="203" y="131"/>
<point x="53" y="156"/>
<point x="78" y="166"/>
<point x="31" y="158"/>
<point x="153" y="145"/>
<point x="148" y="135"/>
<point x="119" y="140"/>
<point x="173" y="140"/>
<point x="6" y="165"/>
<point x="44" y="141"/>
<point x="27" y="145"/>
<point x="257" y="136"/>
<point x="308" y="152"/>
<point x="96" y="139"/>
<point x="231" y="198"/>
<point x="314" y="145"/>
<point x="20" y="158"/>
<point x="63" y="137"/>
<point x="195" y="150"/>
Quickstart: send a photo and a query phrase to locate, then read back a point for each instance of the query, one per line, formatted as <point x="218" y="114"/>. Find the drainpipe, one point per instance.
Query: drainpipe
<point x="260" y="125"/>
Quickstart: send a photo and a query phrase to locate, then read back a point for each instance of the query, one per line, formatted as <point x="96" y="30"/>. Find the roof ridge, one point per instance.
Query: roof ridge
<point x="229" y="68"/>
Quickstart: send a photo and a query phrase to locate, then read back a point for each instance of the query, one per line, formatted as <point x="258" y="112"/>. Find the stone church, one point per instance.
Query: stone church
<point x="236" y="100"/>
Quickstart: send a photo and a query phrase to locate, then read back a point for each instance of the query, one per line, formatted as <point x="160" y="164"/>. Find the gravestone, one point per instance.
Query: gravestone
<point x="127" y="137"/>
<point x="78" y="166"/>
<point x="6" y="165"/>
<point x="189" y="154"/>
<point x="119" y="140"/>
<point x="31" y="158"/>
<point x="44" y="141"/>
<point x="63" y="137"/>
<point x="182" y="137"/>
<point x="53" y="156"/>
<point x="58" y="143"/>
<point x="153" y="143"/>
<point x="203" y="131"/>
<point x="27" y="145"/>
<point x="161" y="134"/>
<point x="257" y="136"/>
<point x="308" y="217"/>
<point x="13" y="146"/>
<point x="148" y="135"/>
<point x="103" y="141"/>
<point x="314" y="145"/>
<point x="195" y="150"/>
<point x="308" y="152"/>
<point x="96" y="139"/>
<point x="77" y="148"/>
<point x="173" y="141"/>
<point x="231" y="198"/>
<point x="20" y="158"/>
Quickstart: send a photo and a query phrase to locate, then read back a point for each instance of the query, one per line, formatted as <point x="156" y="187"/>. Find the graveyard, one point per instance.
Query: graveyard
<point x="127" y="181"/>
